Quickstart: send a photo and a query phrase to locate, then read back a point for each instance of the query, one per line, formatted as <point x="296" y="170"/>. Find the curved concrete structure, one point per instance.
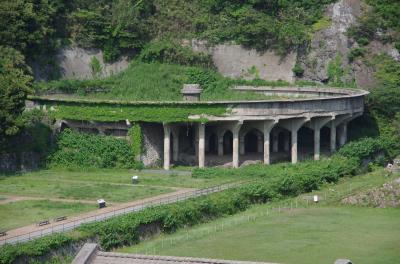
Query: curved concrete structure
<point x="248" y="131"/>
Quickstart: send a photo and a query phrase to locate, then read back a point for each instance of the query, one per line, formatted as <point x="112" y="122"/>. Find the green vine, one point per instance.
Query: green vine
<point x="135" y="134"/>
<point x="134" y="112"/>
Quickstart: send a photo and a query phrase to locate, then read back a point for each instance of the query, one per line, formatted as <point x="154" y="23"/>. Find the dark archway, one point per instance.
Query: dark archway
<point x="213" y="144"/>
<point x="325" y="138"/>
<point x="251" y="142"/>
<point x="228" y="142"/>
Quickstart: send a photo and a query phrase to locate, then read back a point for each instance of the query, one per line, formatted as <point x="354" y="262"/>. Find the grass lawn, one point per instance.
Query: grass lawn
<point x="17" y="214"/>
<point x="317" y="234"/>
<point x="112" y="185"/>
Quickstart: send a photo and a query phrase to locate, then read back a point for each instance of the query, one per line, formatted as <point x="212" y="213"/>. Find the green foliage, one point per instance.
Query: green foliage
<point x="135" y="134"/>
<point x="384" y="99"/>
<point x="91" y="151"/>
<point x="277" y="181"/>
<point x="336" y="73"/>
<point x="383" y="17"/>
<point x="356" y="53"/>
<point x="298" y="70"/>
<point x="14" y="87"/>
<point x="38" y="247"/>
<point x="323" y="23"/>
<point x="95" y="67"/>
<point x="173" y="52"/>
<point x="134" y="112"/>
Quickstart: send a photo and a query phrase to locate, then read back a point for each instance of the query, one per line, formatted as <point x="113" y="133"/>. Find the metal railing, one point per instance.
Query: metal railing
<point x="62" y="227"/>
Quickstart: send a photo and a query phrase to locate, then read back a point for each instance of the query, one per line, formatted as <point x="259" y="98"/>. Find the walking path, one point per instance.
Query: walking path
<point x="15" y="198"/>
<point x="33" y="231"/>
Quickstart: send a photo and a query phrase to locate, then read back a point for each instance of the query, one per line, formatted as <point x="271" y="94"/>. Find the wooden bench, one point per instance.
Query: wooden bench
<point x="44" y="222"/>
<point x="3" y="233"/>
<point x="61" y="218"/>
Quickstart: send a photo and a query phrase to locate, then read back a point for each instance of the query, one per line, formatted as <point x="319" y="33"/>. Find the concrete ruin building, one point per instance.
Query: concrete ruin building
<point x="308" y="122"/>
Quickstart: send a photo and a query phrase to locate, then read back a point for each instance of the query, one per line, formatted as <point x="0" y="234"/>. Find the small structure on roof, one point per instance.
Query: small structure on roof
<point x="191" y="92"/>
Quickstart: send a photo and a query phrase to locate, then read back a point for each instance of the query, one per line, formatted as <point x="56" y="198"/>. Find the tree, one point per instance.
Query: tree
<point x="15" y="84"/>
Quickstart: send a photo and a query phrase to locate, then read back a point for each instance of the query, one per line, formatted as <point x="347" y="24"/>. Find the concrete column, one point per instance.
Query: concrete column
<point x="235" y="153"/>
<point x="294" y="145"/>
<point x="221" y="145"/>
<point x="260" y="143"/>
<point x="275" y="141"/>
<point x="267" y="127"/>
<point x="241" y="145"/>
<point x="317" y="143"/>
<point x="167" y="134"/>
<point x="293" y="125"/>
<point x="286" y="142"/>
<point x="316" y="124"/>
<point x="201" y="145"/>
<point x="175" y="146"/>
<point x="333" y="136"/>
<point x="343" y="134"/>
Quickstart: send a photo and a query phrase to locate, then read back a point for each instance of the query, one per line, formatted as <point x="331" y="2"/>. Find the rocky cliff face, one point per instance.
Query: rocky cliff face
<point x="331" y="41"/>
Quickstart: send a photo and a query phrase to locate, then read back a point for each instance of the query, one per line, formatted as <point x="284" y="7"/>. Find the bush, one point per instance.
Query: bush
<point x="271" y="183"/>
<point x="298" y="70"/>
<point x="356" y="53"/>
<point x="85" y="150"/>
<point x="173" y="52"/>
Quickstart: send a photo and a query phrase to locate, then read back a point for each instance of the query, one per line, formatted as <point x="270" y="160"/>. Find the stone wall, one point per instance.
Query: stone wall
<point x="74" y="63"/>
<point x="238" y="62"/>
<point x="153" y="140"/>
<point x="14" y="162"/>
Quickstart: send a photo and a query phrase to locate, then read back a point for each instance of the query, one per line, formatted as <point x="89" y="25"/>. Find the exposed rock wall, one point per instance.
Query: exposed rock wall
<point x="238" y="62"/>
<point x="331" y="41"/>
<point x="153" y="143"/>
<point x="74" y="63"/>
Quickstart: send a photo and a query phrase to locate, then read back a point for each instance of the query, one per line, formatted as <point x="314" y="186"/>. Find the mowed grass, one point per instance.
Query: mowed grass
<point x="317" y="234"/>
<point x="17" y="214"/>
<point x="112" y="185"/>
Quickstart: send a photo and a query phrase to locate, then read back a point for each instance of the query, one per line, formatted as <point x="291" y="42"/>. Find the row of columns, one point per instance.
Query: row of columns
<point x="292" y="125"/>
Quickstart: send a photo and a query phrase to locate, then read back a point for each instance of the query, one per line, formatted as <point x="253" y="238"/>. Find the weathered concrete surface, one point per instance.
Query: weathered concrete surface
<point x="75" y="63"/>
<point x="85" y="255"/>
<point x="238" y="62"/>
<point x="152" y="144"/>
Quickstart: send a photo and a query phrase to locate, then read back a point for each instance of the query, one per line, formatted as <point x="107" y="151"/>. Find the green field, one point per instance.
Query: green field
<point x="113" y="185"/>
<point x="17" y="214"/>
<point x="314" y="234"/>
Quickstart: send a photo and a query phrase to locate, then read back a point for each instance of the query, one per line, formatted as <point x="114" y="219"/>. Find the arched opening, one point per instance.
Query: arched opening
<point x="305" y="141"/>
<point x="251" y="142"/>
<point x="282" y="136"/>
<point x="325" y="139"/>
<point x="213" y="144"/>
<point x="63" y="126"/>
<point x="228" y="142"/>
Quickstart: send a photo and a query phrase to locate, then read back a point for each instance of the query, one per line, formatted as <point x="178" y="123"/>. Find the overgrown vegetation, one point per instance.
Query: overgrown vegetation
<point x="85" y="151"/>
<point x="277" y="181"/>
<point x="381" y="22"/>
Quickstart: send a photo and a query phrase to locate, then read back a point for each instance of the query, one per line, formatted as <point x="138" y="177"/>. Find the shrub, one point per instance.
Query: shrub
<point x="173" y="52"/>
<point x="355" y="53"/>
<point x="298" y="70"/>
<point x="85" y="150"/>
